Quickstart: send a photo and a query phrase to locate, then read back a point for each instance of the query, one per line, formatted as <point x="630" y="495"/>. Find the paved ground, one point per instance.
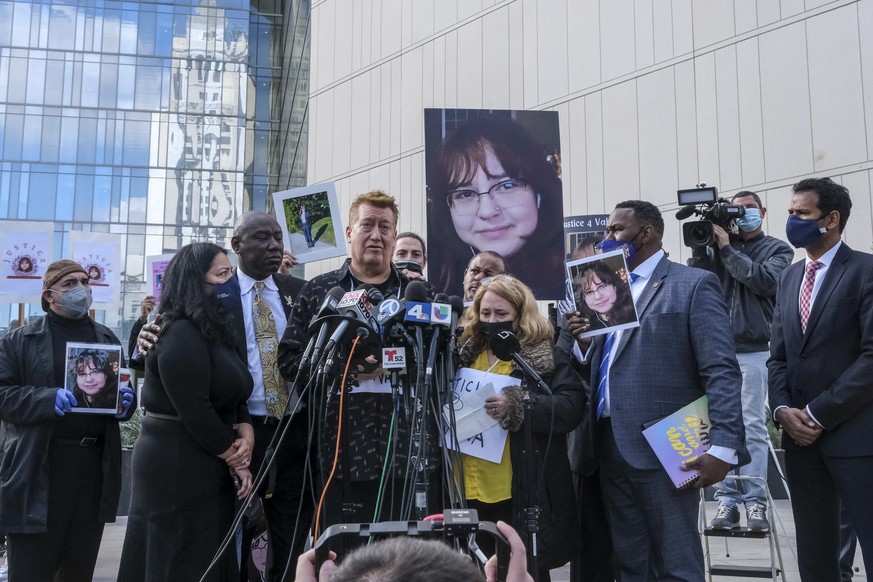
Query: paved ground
<point x="747" y="552"/>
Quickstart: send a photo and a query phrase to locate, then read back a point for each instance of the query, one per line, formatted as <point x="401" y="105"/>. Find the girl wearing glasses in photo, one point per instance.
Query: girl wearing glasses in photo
<point x="492" y="187"/>
<point x="95" y="379"/>
<point x="604" y="297"/>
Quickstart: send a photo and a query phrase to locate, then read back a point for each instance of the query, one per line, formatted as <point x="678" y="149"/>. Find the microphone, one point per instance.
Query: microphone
<point x="328" y="307"/>
<point x="685" y="212"/>
<point x="505" y="345"/>
<point x="355" y="306"/>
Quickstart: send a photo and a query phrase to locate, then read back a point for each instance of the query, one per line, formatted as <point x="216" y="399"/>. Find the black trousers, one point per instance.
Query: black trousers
<point x="67" y="551"/>
<point x="818" y="483"/>
<point x="594" y="564"/>
<point x="285" y="532"/>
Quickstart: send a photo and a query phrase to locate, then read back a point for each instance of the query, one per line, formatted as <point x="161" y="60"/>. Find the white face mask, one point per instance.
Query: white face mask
<point x="76" y="302"/>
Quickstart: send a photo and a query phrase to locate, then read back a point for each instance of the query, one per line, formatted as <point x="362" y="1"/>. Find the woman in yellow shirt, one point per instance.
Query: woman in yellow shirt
<point x="500" y="490"/>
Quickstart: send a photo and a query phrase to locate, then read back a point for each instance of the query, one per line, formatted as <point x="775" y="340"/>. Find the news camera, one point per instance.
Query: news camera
<point x="703" y="201"/>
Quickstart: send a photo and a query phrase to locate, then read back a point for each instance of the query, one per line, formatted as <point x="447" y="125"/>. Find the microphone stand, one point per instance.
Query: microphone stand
<point x="532" y="511"/>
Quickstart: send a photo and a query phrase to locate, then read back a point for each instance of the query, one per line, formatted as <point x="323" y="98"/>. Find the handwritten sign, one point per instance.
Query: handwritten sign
<point x="474" y="428"/>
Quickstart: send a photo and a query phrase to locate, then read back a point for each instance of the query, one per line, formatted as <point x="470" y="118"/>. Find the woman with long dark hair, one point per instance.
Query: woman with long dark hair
<point x="499" y="491"/>
<point x="492" y="187"/>
<point x="195" y="393"/>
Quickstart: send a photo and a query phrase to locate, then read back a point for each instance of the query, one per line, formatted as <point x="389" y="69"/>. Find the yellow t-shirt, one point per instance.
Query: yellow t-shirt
<point x="483" y="480"/>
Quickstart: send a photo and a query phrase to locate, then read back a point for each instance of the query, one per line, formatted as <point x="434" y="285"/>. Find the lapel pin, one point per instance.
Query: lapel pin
<point x="289" y="300"/>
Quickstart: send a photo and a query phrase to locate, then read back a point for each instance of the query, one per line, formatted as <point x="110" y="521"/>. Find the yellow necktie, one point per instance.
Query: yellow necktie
<point x="275" y="393"/>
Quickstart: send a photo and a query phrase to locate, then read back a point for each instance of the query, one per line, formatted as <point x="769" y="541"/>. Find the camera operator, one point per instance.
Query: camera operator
<point x="748" y="264"/>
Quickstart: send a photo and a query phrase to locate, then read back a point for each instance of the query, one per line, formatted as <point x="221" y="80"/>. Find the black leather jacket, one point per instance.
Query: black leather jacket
<point x="749" y="273"/>
<point x="27" y="421"/>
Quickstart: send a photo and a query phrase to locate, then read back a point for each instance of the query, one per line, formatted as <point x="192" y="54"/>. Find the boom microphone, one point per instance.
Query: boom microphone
<point x="505" y="345"/>
<point x="685" y="212"/>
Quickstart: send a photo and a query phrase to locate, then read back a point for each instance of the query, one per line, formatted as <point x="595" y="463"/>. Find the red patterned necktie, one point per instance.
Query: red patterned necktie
<point x="806" y="291"/>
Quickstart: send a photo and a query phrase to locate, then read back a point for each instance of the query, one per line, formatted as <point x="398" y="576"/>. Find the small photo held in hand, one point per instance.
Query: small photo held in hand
<point x="601" y="292"/>
<point x="93" y="374"/>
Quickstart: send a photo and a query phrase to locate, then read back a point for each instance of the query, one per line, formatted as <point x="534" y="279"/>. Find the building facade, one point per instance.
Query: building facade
<point x="156" y="120"/>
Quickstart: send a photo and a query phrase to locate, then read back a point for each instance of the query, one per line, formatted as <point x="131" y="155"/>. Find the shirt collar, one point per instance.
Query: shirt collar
<point x="647" y="267"/>
<point x="246" y="283"/>
<point x="827" y="258"/>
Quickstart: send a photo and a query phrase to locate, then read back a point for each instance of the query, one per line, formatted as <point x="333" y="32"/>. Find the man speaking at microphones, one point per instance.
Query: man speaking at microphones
<point x="353" y="491"/>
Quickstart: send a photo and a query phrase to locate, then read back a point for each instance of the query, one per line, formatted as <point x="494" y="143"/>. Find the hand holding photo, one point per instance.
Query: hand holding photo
<point x="93" y="377"/>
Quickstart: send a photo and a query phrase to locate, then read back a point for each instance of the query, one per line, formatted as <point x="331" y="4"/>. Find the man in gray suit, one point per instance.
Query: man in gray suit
<point x="674" y="357"/>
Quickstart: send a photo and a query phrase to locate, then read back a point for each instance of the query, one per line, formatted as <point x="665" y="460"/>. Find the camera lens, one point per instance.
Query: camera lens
<point x="698" y="234"/>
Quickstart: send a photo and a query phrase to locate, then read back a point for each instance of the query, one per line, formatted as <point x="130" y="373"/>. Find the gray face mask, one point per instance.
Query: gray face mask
<point x="76" y="302"/>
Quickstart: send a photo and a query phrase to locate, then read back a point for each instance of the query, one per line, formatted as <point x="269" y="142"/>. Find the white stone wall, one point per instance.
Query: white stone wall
<point x="653" y="95"/>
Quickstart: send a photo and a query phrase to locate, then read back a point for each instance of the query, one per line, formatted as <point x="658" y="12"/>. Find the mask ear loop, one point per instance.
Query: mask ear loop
<point x="539" y="199"/>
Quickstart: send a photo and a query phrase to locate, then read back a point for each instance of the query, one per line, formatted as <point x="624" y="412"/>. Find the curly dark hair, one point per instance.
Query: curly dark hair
<point x="831" y="196"/>
<point x="185" y="295"/>
<point x="622" y="310"/>
<point x="456" y="162"/>
<point x="97" y="361"/>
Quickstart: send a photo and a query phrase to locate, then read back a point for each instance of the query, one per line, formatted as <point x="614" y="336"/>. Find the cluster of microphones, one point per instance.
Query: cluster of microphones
<point x="384" y="327"/>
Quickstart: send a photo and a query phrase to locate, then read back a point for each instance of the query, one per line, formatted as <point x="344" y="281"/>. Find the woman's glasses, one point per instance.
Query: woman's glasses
<point x="90" y="373"/>
<point x="596" y="289"/>
<point x="505" y="194"/>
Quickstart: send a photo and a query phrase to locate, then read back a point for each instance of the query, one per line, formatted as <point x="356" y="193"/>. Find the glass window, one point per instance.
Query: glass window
<point x="21" y="24"/>
<point x="66" y="196"/>
<point x="6" y="10"/>
<point x="69" y="138"/>
<point x="146" y="34"/>
<point x="54" y="91"/>
<point x="84" y="195"/>
<point x="18" y="73"/>
<point x="12" y="137"/>
<point x="111" y="30"/>
<point x="35" y="81"/>
<point x="51" y="137"/>
<point x="62" y="27"/>
<point x="129" y="32"/>
<point x="41" y="199"/>
<point x="31" y="137"/>
<point x="87" y="141"/>
<point x="164" y="34"/>
<point x="148" y="87"/>
<point x="90" y="84"/>
<point x="136" y="143"/>
<point x="102" y="197"/>
<point x="126" y="85"/>
<point x="108" y="85"/>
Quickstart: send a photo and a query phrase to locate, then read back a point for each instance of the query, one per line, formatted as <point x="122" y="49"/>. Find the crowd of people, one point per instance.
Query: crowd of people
<point x="228" y="396"/>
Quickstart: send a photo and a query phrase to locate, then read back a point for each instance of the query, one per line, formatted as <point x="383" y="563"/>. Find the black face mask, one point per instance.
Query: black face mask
<point x="489" y="329"/>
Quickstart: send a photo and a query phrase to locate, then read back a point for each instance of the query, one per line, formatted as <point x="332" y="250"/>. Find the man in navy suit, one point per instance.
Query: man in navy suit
<point x="674" y="357"/>
<point x="821" y="378"/>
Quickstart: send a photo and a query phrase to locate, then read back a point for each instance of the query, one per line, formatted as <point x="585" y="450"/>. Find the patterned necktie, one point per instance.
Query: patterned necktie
<point x="275" y="394"/>
<point x="604" y="366"/>
<point x="806" y="291"/>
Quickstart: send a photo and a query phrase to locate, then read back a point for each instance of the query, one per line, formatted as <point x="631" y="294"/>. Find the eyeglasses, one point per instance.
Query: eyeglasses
<point x="90" y="374"/>
<point x="488" y="280"/>
<point x="506" y="194"/>
<point x="596" y="289"/>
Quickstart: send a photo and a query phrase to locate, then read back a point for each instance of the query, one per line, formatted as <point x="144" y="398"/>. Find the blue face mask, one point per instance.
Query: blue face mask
<point x="608" y="245"/>
<point x="802" y="233"/>
<point x="750" y="221"/>
<point x="227" y="295"/>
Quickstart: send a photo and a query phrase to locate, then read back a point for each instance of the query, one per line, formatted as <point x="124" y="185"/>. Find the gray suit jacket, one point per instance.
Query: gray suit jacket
<point x="682" y="350"/>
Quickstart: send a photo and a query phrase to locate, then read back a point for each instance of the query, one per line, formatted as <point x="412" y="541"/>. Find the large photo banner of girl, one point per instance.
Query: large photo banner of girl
<point x="602" y="292"/>
<point x="494" y="184"/>
<point x="93" y="374"/>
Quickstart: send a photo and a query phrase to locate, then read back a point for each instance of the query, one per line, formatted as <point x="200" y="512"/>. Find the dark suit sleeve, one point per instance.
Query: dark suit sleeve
<point x="21" y="404"/>
<point x="296" y="336"/>
<point x="853" y="390"/>
<point x="714" y="351"/>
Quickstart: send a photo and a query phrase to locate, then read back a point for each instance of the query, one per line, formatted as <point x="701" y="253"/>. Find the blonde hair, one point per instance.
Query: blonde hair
<point x="532" y="327"/>
<point x="375" y="198"/>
